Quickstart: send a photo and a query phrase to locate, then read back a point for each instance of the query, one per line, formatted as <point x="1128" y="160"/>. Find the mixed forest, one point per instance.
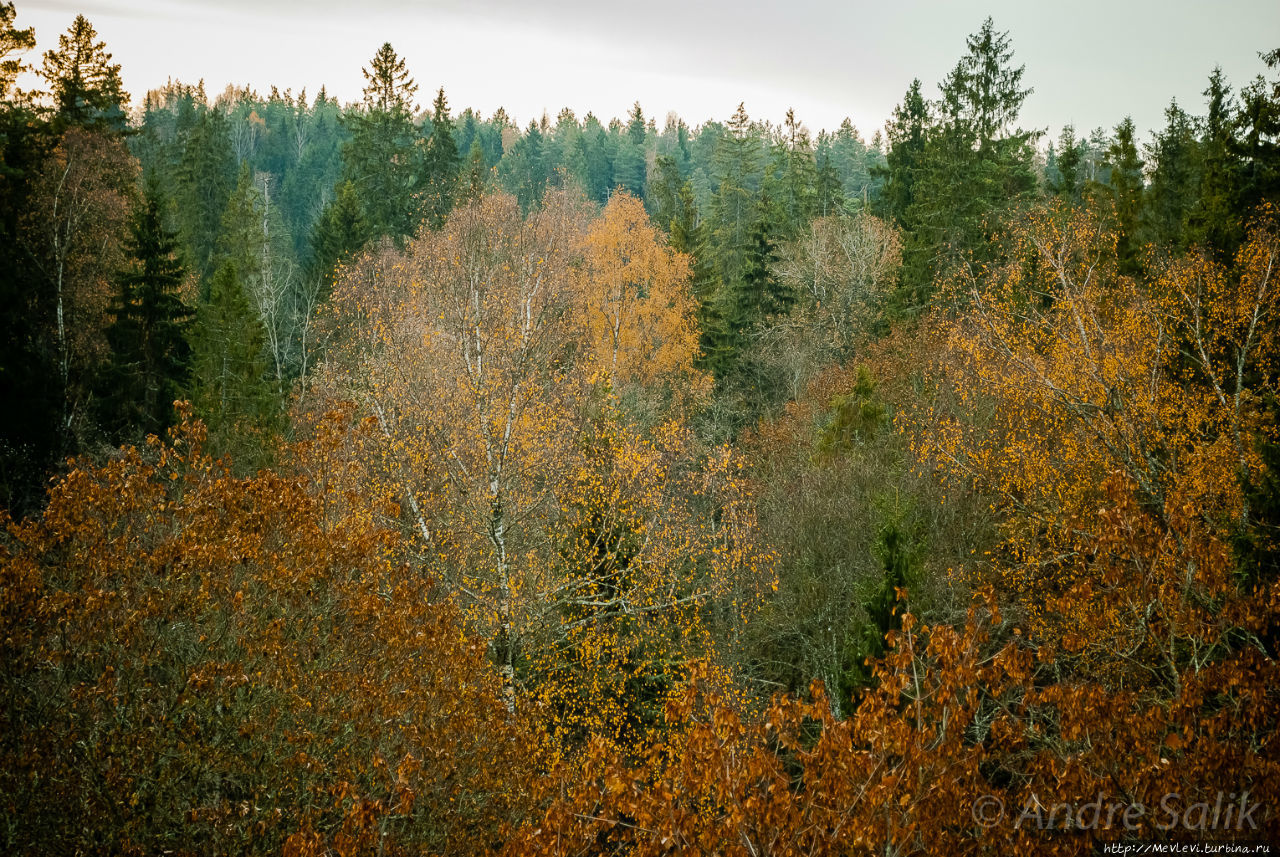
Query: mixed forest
<point x="383" y="478"/>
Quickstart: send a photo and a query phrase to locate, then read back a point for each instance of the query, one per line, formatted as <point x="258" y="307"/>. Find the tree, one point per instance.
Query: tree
<point x="230" y="390"/>
<point x="442" y="164"/>
<point x="72" y="236"/>
<point x="736" y="164"/>
<point x="383" y="159"/>
<point x="505" y="449"/>
<point x="339" y="235"/>
<point x="1213" y="222"/>
<point x="976" y="164"/>
<point x="240" y="662"/>
<point x="149" y="352"/>
<point x="12" y="41"/>
<point x="641" y="316"/>
<point x="1173" y="159"/>
<point x="85" y="84"/>
<point x="205" y="179"/>
<point x="1070" y="158"/>
<point x="1126" y="190"/>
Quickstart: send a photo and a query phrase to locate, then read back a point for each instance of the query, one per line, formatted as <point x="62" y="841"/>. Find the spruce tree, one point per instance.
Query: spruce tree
<point x="442" y="164"/>
<point x="383" y="159"/>
<point x="339" y="234"/>
<point x="1126" y="189"/>
<point x="1213" y="222"/>
<point x="148" y="365"/>
<point x="230" y="389"/>
<point x="1174" y="157"/>
<point x="85" y="84"/>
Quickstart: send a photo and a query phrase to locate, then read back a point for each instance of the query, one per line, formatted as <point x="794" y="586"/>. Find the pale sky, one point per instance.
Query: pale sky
<point x="1090" y="62"/>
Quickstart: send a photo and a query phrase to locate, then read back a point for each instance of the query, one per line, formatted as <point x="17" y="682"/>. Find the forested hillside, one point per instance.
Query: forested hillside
<point x="386" y="478"/>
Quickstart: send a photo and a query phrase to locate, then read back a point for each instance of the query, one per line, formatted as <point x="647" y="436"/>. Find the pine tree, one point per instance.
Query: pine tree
<point x="339" y="234"/>
<point x="148" y="334"/>
<point x="12" y="41"/>
<point x="442" y="164"/>
<point x="85" y="84"/>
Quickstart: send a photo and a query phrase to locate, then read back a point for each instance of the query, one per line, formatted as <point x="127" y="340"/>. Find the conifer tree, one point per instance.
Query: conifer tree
<point x="339" y="234"/>
<point x="1126" y="188"/>
<point x="148" y="333"/>
<point x="1174" y="158"/>
<point x="442" y="164"/>
<point x="1213" y="222"/>
<point x="85" y="84"/>
<point x="383" y="159"/>
<point x="230" y="389"/>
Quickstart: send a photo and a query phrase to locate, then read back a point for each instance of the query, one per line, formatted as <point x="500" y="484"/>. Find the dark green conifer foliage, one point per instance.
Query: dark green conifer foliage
<point x="907" y="129"/>
<point x="1174" y="158"/>
<point x="230" y="388"/>
<point x="83" y="81"/>
<point x="1213" y="223"/>
<point x="442" y="164"/>
<point x="1126" y="187"/>
<point x="339" y="234"/>
<point x="206" y="177"/>
<point x="383" y="159"/>
<point x="976" y="167"/>
<point x="148" y="366"/>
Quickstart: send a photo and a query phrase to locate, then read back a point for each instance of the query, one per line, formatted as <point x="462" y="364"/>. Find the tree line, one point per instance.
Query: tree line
<point x="384" y="480"/>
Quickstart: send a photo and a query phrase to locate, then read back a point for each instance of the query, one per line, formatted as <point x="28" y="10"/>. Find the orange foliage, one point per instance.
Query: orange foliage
<point x="197" y="663"/>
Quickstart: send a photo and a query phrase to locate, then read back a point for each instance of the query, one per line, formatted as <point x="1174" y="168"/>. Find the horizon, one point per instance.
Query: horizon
<point x="327" y="49"/>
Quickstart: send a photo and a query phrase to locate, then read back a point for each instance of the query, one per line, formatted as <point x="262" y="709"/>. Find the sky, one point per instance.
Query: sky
<point x="1090" y="62"/>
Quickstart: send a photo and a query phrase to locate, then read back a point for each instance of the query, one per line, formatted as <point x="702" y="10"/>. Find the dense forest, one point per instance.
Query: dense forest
<point x="387" y="479"/>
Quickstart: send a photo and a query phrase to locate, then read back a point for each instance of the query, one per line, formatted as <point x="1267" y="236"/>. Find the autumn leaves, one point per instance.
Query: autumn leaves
<point x="530" y="378"/>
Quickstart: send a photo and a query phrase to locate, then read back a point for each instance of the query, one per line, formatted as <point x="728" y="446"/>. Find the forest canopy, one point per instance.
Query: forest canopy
<point x="385" y="478"/>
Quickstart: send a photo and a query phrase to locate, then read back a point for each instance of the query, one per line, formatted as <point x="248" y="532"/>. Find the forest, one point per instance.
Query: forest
<point x="388" y="479"/>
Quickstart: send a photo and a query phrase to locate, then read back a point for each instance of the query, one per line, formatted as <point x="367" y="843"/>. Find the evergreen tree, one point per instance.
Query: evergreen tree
<point x="339" y="234"/>
<point x="477" y="172"/>
<point x="906" y="130"/>
<point x="1126" y="188"/>
<point x="83" y="81"/>
<point x="1070" y="156"/>
<point x="149" y="352"/>
<point x="975" y="167"/>
<point x="230" y="389"/>
<point x="206" y="177"/>
<point x="1174" y="157"/>
<point x="1259" y="138"/>
<point x="1213" y="222"/>
<point x="13" y="42"/>
<point x="442" y="164"/>
<point x="383" y="160"/>
<point x="736" y="165"/>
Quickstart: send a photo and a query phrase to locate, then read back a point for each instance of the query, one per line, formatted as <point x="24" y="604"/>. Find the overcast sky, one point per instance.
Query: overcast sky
<point x="1090" y="62"/>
